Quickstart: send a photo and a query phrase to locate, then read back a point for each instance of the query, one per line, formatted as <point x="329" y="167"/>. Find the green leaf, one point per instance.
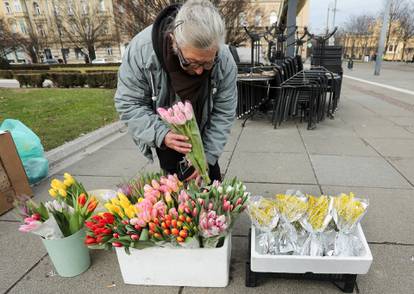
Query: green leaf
<point x="127" y="250"/>
<point x="74" y="222"/>
<point x="143" y="244"/>
<point x="144" y="235"/>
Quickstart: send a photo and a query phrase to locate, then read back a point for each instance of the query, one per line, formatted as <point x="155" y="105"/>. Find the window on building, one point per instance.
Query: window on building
<point x="7" y="8"/>
<point x="22" y="26"/>
<point x="258" y="19"/>
<point x="56" y="9"/>
<point x="109" y="50"/>
<point x="13" y="26"/>
<point x="70" y="7"/>
<point x="273" y="18"/>
<point x="36" y="8"/>
<point x="78" y="53"/>
<point x="17" y="6"/>
<point x="101" y="5"/>
<point x="41" y="30"/>
<point x="242" y="19"/>
<point x="121" y="8"/>
<point x="85" y="7"/>
<point x="65" y="52"/>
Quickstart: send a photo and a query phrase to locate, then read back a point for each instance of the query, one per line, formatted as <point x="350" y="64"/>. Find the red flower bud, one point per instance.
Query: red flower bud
<point x="174" y="223"/>
<point x="183" y="234"/>
<point x="188" y="219"/>
<point x="92" y="205"/>
<point x="156" y="221"/>
<point x="107" y="231"/>
<point x="134" y="237"/>
<point x="36" y="216"/>
<point x="97" y="217"/>
<point x="115" y="235"/>
<point x="137" y="227"/>
<point x="82" y="199"/>
<point x="166" y="232"/>
<point x="90" y="240"/>
<point x="125" y="222"/>
<point x="117" y="244"/>
<point x="175" y="232"/>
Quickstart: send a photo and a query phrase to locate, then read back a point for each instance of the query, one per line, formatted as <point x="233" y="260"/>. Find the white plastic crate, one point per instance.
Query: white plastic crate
<point x="203" y="267"/>
<point x="311" y="264"/>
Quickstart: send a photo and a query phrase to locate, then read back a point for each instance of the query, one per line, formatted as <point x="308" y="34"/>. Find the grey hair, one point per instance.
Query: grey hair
<point x="199" y="24"/>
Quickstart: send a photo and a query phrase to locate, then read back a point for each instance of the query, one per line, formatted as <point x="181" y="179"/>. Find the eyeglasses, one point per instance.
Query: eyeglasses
<point x="194" y="65"/>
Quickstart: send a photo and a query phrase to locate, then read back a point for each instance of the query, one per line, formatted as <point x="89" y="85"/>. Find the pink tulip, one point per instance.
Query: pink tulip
<point x="173" y="212"/>
<point x="239" y="201"/>
<point x="212" y="225"/>
<point x="30" y="225"/>
<point x="195" y="211"/>
<point x="180" y="119"/>
<point x="155" y="184"/>
<point x="181" y="106"/>
<point x="162" y="112"/>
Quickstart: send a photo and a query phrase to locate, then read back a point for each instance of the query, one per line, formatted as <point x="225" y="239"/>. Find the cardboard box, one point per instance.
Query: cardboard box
<point x="13" y="179"/>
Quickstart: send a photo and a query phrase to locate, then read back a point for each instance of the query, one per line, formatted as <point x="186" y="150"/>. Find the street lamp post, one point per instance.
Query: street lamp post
<point x="381" y="43"/>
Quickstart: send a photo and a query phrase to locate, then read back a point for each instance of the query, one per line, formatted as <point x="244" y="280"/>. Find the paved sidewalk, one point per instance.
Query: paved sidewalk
<point x="367" y="149"/>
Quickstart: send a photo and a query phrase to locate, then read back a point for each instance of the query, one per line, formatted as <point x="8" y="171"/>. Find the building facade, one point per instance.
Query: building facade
<point x="42" y="22"/>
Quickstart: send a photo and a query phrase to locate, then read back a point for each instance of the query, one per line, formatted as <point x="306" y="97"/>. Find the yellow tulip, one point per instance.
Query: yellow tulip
<point x="140" y="199"/>
<point x="53" y="193"/>
<point x="56" y="184"/>
<point x="130" y="211"/>
<point x="115" y="201"/>
<point x="62" y="192"/>
<point x="114" y="209"/>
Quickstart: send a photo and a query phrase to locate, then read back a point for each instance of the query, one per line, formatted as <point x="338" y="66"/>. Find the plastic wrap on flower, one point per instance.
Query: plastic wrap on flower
<point x="265" y="217"/>
<point x="347" y="212"/>
<point x="292" y="206"/>
<point x="315" y="221"/>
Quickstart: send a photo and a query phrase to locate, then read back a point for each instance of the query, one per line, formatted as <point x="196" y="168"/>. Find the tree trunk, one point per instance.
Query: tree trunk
<point x="33" y="55"/>
<point x="91" y="52"/>
<point x="395" y="52"/>
<point x="403" y="50"/>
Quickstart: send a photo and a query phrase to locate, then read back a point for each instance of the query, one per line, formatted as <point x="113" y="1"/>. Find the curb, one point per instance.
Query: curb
<point x="82" y="144"/>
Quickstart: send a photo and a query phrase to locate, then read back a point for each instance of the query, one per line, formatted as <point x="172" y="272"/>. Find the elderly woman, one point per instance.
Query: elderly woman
<point x="182" y="56"/>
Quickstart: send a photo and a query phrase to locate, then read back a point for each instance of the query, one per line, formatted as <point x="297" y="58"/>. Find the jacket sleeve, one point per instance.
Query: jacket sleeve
<point x="223" y="114"/>
<point x="133" y="101"/>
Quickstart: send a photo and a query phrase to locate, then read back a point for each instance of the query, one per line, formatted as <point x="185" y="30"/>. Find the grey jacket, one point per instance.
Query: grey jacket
<point x="142" y="88"/>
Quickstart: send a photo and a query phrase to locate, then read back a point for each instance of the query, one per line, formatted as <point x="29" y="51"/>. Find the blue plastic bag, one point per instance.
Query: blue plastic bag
<point x="30" y="149"/>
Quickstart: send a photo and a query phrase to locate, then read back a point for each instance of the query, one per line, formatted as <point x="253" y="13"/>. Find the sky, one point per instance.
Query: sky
<point x="345" y="8"/>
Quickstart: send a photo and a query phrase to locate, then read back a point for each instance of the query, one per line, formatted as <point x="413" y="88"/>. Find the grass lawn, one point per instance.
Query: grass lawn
<point x="59" y="115"/>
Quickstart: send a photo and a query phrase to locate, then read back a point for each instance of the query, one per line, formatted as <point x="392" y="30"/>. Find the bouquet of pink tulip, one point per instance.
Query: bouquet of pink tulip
<point x="181" y="119"/>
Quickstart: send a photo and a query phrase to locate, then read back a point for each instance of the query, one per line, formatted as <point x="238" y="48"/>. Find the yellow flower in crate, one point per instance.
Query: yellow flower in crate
<point x="349" y="209"/>
<point x="131" y="211"/>
<point x="318" y="213"/>
<point x="292" y="207"/>
<point x="124" y="201"/>
<point x="263" y="212"/>
<point x="62" y="192"/>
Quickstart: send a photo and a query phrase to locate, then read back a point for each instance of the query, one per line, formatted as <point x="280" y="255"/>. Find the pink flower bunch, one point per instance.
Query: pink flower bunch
<point x="166" y="186"/>
<point x="186" y="204"/>
<point x="148" y="211"/>
<point x="179" y="114"/>
<point x="211" y="224"/>
<point x="30" y="223"/>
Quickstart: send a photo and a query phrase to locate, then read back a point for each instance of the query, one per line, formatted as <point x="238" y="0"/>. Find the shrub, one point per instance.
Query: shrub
<point x="68" y="80"/>
<point x="6" y="74"/>
<point x="30" y="80"/>
<point x="106" y="80"/>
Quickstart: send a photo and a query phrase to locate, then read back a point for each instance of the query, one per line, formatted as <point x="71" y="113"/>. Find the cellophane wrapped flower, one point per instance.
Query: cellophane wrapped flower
<point x="181" y="119"/>
<point x="347" y="213"/>
<point x="265" y="217"/>
<point x="216" y="208"/>
<point x="315" y="221"/>
<point x="61" y="217"/>
<point x="291" y="206"/>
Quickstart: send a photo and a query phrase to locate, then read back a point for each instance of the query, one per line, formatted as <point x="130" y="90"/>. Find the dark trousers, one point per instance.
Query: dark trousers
<point x="169" y="160"/>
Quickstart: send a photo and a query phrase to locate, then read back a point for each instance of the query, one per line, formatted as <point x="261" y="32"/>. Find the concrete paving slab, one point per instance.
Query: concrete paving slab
<point x="121" y="163"/>
<point x="270" y="140"/>
<point x="393" y="147"/>
<point x="338" y="146"/>
<point x="394" y="132"/>
<point x="356" y="171"/>
<point x="405" y="121"/>
<point x="387" y="219"/>
<point x="404" y="166"/>
<point x="391" y="270"/>
<point x="369" y="121"/>
<point x="125" y="142"/>
<point x="272" y="168"/>
<point x="327" y="131"/>
<point x="266" y="285"/>
<point x="103" y="276"/>
<point x="234" y="136"/>
<point x="19" y="253"/>
<point x="224" y="161"/>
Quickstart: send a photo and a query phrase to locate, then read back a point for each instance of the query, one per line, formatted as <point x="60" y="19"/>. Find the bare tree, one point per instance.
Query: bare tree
<point x="396" y="11"/>
<point x="86" y="24"/>
<point x="406" y="26"/>
<point x="133" y="16"/>
<point x="360" y="27"/>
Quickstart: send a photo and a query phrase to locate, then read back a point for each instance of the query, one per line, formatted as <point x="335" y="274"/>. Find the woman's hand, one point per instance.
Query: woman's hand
<point x="177" y="142"/>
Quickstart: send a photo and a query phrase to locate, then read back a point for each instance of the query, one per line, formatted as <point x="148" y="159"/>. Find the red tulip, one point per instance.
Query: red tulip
<point x="115" y="235"/>
<point x="117" y="244"/>
<point x="134" y="237"/>
<point x="82" y="199"/>
<point x="90" y="240"/>
<point x="92" y="205"/>
<point x="183" y="234"/>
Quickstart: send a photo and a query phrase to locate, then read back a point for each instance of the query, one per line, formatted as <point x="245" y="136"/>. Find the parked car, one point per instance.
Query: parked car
<point x="99" y="61"/>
